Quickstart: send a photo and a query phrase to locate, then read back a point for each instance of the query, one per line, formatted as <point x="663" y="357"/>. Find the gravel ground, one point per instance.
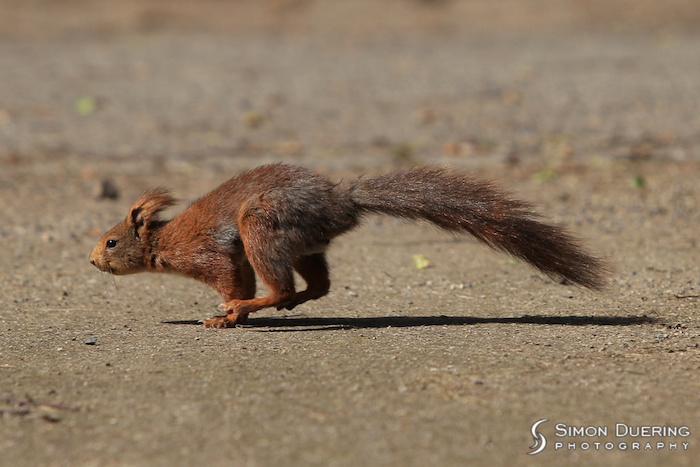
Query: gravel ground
<point x="587" y="109"/>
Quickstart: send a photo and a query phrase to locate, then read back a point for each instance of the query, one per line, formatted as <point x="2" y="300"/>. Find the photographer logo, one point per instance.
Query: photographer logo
<point x="617" y="437"/>
<point x="540" y="440"/>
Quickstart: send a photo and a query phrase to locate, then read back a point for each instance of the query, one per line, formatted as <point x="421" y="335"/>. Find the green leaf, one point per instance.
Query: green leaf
<point x="638" y="181"/>
<point x="546" y="175"/>
<point x="420" y="261"/>
<point x="85" y="105"/>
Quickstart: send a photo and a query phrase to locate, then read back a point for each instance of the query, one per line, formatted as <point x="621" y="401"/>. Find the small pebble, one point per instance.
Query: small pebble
<point x="106" y="189"/>
<point x="92" y="340"/>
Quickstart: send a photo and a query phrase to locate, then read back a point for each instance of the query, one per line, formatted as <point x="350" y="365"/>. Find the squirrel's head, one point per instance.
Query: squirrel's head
<point x="123" y="249"/>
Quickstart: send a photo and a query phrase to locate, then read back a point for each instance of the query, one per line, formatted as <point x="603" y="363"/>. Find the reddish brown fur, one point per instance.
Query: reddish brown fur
<point x="277" y="219"/>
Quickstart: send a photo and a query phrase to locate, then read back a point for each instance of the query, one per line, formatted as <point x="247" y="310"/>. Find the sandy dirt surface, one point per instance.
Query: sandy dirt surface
<point x="589" y="110"/>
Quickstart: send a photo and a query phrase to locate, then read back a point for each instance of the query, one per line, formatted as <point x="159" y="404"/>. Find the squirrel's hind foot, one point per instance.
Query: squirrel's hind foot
<point x="228" y="321"/>
<point x="303" y="297"/>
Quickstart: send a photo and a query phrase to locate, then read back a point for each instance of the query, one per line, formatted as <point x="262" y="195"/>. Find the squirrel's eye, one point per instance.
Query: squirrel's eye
<point x="111" y="243"/>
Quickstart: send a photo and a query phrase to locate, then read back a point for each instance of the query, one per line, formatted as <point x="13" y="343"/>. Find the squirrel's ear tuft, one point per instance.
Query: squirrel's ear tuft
<point x="145" y="209"/>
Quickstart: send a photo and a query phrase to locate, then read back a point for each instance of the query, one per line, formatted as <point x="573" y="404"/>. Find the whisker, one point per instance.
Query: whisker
<point x="114" y="282"/>
<point x="111" y="279"/>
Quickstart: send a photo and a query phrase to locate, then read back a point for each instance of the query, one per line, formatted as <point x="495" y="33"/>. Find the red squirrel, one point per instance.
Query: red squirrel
<point x="277" y="219"/>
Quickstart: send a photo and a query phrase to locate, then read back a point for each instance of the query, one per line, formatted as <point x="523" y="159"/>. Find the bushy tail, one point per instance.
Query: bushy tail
<point x="457" y="202"/>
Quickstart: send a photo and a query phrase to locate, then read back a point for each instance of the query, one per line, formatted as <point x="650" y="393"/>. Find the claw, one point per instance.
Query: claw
<point x="289" y="305"/>
<point x="217" y="322"/>
<point x="228" y="321"/>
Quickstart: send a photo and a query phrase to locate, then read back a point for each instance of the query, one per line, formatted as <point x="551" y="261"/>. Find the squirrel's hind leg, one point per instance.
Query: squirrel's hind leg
<point x="314" y="270"/>
<point x="268" y="254"/>
<point x="237" y="310"/>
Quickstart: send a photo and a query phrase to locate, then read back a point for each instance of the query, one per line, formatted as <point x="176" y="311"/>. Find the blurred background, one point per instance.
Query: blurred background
<point x="473" y="83"/>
